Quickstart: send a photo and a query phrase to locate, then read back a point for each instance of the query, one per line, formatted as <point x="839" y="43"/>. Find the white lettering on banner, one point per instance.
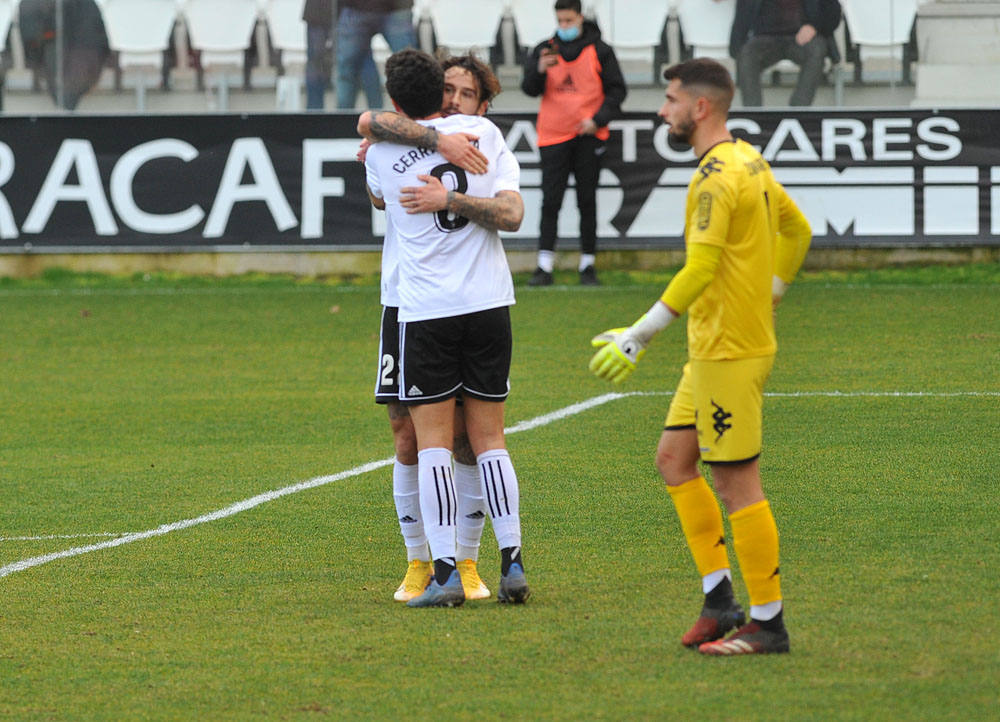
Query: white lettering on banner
<point x="882" y="138"/>
<point x="73" y="155"/>
<point x="951" y="145"/>
<point x="523" y="130"/>
<point x="249" y="153"/>
<point x="8" y="226"/>
<point x="123" y="176"/>
<point x="789" y="129"/>
<point x="852" y="139"/>
<point x="628" y="129"/>
<point x="951" y="200"/>
<point x="866" y="201"/>
<point x="315" y="186"/>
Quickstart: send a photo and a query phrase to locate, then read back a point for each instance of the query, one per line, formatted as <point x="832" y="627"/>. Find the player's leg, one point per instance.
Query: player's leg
<point x="486" y="353"/>
<point x="810" y="58"/>
<point x="700" y="517"/>
<point x="427" y="384"/>
<point x="471" y="511"/>
<point x="729" y="398"/>
<point x="587" y="171"/>
<point x="556" y="162"/>
<point x="405" y="483"/>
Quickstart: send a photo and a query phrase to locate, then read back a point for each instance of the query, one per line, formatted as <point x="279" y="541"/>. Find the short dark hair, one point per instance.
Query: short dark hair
<point x="415" y="81"/>
<point x="489" y="86"/>
<point x="708" y="75"/>
<point x="569" y="5"/>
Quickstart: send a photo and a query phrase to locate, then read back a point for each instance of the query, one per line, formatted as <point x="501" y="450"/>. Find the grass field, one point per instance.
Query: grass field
<point x="158" y="561"/>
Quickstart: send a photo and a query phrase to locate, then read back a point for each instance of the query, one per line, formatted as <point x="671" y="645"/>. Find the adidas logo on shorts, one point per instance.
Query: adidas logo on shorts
<point x="414" y="391"/>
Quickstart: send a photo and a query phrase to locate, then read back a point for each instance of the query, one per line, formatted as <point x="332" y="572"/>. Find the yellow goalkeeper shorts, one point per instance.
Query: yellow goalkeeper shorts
<point x="724" y="401"/>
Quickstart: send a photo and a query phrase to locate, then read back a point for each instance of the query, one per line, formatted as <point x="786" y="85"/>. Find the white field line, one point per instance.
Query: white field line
<point x="268" y="496"/>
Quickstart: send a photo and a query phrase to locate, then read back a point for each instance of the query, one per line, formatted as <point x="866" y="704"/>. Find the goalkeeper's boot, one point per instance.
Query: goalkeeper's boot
<point x="449" y="594"/>
<point x="754" y="638"/>
<point x="719" y="614"/>
<point x="471" y="582"/>
<point x="418" y="576"/>
<point x="513" y="586"/>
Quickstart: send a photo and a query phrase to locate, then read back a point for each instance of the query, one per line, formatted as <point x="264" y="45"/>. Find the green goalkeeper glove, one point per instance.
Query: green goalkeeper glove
<point x="619" y="352"/>
<point x="620" y="349"/>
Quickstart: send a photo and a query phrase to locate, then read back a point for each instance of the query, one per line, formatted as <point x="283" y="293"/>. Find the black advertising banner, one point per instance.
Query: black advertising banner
<point x="889" y="178"/>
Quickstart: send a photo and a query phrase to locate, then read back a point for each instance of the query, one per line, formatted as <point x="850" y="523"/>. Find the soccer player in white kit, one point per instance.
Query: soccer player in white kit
<point x="454" y="296"/>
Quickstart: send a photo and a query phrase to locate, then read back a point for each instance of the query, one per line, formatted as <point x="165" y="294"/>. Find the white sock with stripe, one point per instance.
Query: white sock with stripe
<point x="502" y="497"/>
<point x="437" y="501"/>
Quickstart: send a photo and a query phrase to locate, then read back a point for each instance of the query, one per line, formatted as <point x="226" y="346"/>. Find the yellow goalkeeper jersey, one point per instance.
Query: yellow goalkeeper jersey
<point x="735" y="203"/>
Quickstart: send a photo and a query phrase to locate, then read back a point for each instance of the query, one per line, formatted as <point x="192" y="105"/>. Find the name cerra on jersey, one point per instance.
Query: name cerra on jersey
<point x="410" y="159"/>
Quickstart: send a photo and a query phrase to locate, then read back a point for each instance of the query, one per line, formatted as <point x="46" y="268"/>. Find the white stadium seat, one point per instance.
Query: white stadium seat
<point x="221" y="31"/>
<point x="140" y="32"/>
<point x="879" y="30"/>
<point x="287" y="31"/>
<point x="535" y="21"/>
<point x="467" y="25"/>
<point x="635" y="29"/>
<point x="7" y="8"/>
<point x="705" y="25"/>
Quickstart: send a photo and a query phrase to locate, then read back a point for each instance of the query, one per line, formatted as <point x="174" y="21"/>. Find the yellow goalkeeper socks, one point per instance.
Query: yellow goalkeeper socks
<point x="701" y="521"/>
<point x="755" y="539"/>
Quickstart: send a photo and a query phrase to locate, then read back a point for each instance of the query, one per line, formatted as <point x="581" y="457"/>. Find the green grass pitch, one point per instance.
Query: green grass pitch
<point x="183" y="412"/>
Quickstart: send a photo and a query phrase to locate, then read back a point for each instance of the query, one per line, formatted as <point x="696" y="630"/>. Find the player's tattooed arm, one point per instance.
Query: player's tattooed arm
<point x="394" y="128"/>
<point x="503" y="212"/>
<point x="457" y="148"/>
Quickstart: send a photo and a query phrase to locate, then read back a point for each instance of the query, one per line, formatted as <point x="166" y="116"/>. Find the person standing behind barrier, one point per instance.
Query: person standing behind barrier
<point x="358" y="23"/>
<point x="318" y="16"/>
<point x="766" y="31"/>
<point x="582" y="89"/>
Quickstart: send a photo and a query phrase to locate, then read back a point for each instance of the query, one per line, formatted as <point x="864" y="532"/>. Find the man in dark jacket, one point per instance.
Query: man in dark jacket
<point x="582" y="89"/>
<point x="766" y="31"/>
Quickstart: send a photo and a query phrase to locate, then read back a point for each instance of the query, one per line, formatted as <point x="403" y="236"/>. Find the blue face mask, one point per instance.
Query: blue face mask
<point x="568" y="34"/>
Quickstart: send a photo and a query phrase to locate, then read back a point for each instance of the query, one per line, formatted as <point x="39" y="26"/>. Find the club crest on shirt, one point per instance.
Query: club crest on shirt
<point x="710" y="166"/>
<point x="704" y="211"/>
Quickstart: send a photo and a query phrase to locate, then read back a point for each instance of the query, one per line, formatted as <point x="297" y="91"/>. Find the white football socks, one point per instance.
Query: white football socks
<point x="547" y="260"/>
<point x="471" y="511"/>
<point x="502" y="498"/>
<point x="405" y="492"/>
<point x="587" y="259"/>
<point x="437" y="501"/>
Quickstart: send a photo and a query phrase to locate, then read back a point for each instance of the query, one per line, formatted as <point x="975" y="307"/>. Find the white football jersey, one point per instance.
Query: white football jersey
<point x="390" y="266"/>
<point x="448" y="266"/>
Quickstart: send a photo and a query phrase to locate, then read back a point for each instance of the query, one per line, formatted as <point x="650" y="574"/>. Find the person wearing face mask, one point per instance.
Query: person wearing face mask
<point x="582" y="89"/>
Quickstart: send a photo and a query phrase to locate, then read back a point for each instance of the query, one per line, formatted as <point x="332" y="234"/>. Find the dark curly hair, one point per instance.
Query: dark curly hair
<point x="415" y="81"/>
<point x="489" y="86"/>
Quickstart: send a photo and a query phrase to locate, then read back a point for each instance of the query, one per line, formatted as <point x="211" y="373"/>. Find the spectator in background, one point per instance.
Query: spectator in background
<point x="318" y="15"/>
<point x="582" y="89"/>
<point x="359" y="22"/>
<point x="766" y="31"/>
<point x="85" y="46"/>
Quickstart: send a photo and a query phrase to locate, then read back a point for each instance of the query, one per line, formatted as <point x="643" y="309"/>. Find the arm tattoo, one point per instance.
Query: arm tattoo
<point x="394" y="128"/>
<point x="503" y="212"/>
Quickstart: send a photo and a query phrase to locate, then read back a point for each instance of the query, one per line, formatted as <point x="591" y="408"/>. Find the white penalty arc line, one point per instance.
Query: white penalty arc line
<point x="269" y="496"/>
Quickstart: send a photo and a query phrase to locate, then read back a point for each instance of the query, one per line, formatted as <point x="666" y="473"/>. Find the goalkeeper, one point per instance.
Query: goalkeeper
<point x="745" y="241"/>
